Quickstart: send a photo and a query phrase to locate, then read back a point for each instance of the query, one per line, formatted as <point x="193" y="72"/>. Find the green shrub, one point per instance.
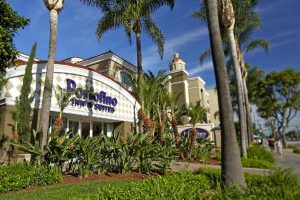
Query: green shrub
<point x="259" y="153"/>
<point x="206" y="184"/>
<point x="279" y="185"/>
<point x="297" y="150"/>
<point x="203" y="150"/>
<point x="21" y="175"/>
<point x="183" y="185"/>
<point x="255" y="163"/>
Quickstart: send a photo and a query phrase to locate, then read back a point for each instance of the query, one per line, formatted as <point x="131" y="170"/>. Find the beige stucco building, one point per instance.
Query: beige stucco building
<point x="105" y="105"/>
<point x="191" y="89"/>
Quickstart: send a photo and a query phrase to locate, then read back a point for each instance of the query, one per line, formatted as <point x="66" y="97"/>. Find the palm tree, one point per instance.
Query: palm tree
<point x="246" y="22"/>
<point x="228" y="19"/>
<point x="132" y="15"/>
<point x="63" y="98"/>
<point x="231" y="169"/>
<point x="196" y="113"/>
<point x="54" y="6"/>
<point x="172" y="104"/>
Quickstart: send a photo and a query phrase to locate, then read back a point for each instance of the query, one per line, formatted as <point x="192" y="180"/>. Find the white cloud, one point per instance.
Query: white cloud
<point x="172" y="45"/>
<point x="201" y="68"/>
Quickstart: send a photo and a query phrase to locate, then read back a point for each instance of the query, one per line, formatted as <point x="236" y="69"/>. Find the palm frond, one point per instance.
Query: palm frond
<point x="127" y="29"/>
<point x="258" y="43"/>
<point x="205" y="55"/>
<point x="111" y="20"/>
<point x="151" y="28"/>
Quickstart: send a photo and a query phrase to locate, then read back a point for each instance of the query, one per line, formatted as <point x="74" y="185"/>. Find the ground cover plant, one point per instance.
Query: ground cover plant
<point x="201" y="184"/>
<point x="258" y="157"/>
<point x="296" y="149"/>
<point x="21" y="175"/>
<point x="206" y="184"/>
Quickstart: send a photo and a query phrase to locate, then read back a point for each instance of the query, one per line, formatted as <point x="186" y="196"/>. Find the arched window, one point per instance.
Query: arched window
<point x="126" y="79"/>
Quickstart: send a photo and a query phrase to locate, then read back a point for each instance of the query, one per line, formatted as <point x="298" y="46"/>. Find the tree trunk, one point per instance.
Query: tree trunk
<point x="248" y="112"/>
<point x="240" y="93"/>
<point x="142" y="118"/>
<point x="47" y="94"/>
<point x="231" y="167"/>
<point x="283" y="128"/>
<point x="137" y="29"/>
<point x="192" y="142"/>
<point x="229" y="21"/>
<point x="162" y="127"/>
<point x="175" y="129"/>
<point x="247" y="103"/>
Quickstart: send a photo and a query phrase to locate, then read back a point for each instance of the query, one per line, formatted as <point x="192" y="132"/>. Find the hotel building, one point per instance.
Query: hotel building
<point x="106" y="104"/>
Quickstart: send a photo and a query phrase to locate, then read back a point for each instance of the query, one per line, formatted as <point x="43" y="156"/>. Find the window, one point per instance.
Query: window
<point x="126" y="79"/>
<point x="74" y="125"/>
<point x="97" y="128"/>
<point x="85" y="129"/>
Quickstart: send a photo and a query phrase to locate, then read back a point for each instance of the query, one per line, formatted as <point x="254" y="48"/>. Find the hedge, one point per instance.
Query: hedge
<point x="21" y="175"/>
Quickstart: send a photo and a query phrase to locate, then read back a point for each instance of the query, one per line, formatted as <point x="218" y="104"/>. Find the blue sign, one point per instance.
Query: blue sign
<point x="200" y="133"/>
<point x="99" y="101"/>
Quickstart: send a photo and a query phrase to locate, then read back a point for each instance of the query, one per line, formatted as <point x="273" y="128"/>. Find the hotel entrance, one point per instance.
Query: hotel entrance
<point x="84" y="128"/>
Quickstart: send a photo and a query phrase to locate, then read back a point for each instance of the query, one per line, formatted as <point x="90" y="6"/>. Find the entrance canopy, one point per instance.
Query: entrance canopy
<point x="99" y="96"/>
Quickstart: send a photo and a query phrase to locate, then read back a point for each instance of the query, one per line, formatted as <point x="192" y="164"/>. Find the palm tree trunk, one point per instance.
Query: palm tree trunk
<point x="247" y="103"/>
<point x="162" y="127"/>
<point x="137" y="30"/>
<point x="192" y="142"/>
<point x="47" y="94"/>
<point x="229" y="21"/>
<point x="231" y="167"/>
<point x="175" y="129"/>
<point x="240" y="93"/>
<point x="248" y="111"/>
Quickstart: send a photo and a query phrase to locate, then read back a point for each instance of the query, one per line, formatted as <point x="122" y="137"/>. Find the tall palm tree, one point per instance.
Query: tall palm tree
<point x="247" y="22"/>
<point x="196" y="113"/>
<point x="132" y="15"/>
<point x="228" y="19"/>
<point x="231" y="167"/>
<point x="54" y="7"/>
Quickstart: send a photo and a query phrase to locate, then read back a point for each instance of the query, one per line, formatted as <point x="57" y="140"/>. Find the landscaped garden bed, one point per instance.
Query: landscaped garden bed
<point x="202" y="184"/>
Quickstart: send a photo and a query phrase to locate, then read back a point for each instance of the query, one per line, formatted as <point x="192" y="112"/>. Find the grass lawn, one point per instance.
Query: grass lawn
<point x="72" y="191"/>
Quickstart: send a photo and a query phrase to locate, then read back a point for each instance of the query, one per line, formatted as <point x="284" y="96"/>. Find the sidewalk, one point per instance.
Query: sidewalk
<point x="194" y="166"/>
<point x="289" y="160"/>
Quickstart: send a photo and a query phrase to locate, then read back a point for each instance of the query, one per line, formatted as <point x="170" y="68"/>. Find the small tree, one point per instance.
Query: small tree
<point x="279" y="98"/>
<point x="23" y="108"/>
<point x="10" y="23"/>
<point x="196" y="113"/>
<point x="63" y="98"/>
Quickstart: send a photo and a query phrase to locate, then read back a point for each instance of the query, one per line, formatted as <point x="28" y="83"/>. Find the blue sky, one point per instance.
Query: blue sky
<point x="183" y="34"/>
